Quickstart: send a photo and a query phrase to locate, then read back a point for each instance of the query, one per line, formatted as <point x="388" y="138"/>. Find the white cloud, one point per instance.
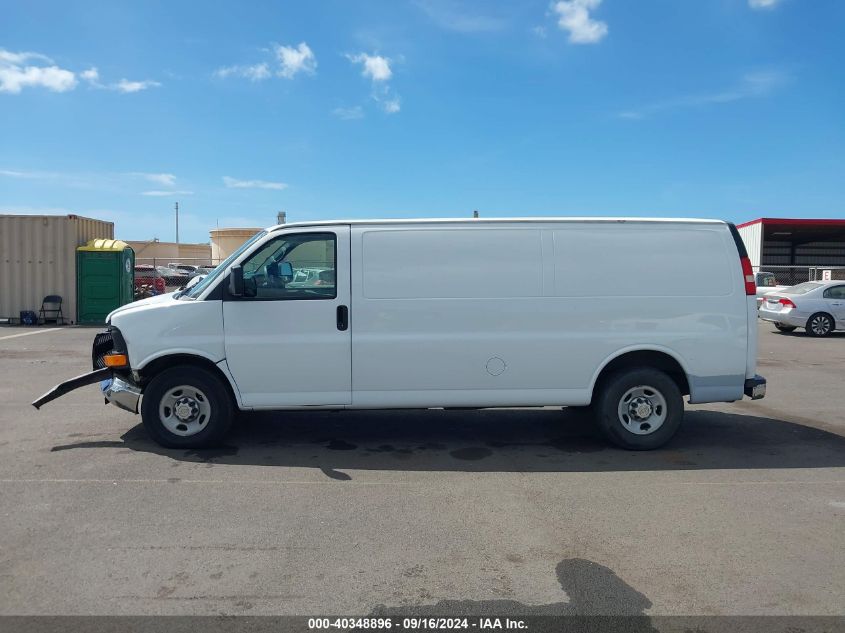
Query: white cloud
<point x="574" y="17"/>
<point x="165" y="180"/>
<point x="375" y="67"/>
<point x="8" y="57"/>
<point x="391" y="105"/>
<point x="290" y="62"/>
<point x="754" y="84"/>
<point x="234" y="183"/>
<point x="256" y="72"/>
<point x="762" y="4"/>
<point x="27" y="69"/>
<point x="92" y="76"/>
<point x="30" y="70"/>
<point x="454" y="16"/>
<point x="125" y="86"/>
<point x="167" y="193"/>
<point x="296" y="60"/>
<point x="13" y="173"/>
<point x="349" y="114"/>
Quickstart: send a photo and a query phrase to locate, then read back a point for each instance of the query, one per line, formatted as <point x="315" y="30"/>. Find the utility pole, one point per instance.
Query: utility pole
<point x="177" y="227"/>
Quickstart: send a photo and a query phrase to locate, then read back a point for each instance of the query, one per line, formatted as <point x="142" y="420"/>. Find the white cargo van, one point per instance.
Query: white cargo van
<point x="624" y="315"/>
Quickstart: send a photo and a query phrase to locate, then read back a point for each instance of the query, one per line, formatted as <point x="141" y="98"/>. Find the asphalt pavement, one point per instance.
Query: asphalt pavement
<point x="518" y="511"/>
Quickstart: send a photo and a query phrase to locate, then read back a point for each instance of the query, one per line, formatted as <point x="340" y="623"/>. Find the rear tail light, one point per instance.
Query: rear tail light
<point x="748" y="274"/>
<point x="786" y="303"/>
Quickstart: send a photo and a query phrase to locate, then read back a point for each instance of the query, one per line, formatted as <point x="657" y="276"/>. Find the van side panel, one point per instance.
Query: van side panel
<point x="527" y="315"/>
<point x="662" y="287"/>
<point x="450" y="316"/>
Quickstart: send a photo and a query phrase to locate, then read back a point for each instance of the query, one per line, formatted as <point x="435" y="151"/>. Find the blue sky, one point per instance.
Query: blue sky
<point x="403" y="108"/>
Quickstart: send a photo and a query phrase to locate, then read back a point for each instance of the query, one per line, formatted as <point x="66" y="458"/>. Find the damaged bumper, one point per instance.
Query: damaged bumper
<point x="121" y="393"/>
<point x="118" y="391"/>
<point x="117" y="388"/>
<point x="74" y="383"/>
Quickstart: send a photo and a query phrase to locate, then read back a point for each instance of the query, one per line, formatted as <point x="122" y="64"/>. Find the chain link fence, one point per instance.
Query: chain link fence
<point x="792" y="275"/>
<point x="157" y="275"/>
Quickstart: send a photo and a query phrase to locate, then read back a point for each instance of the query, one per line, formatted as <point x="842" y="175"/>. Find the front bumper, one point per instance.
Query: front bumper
<point x="121" y="393"/>
<point x="755" y="388"/>
<point x="117" y="388"/>
<point x="74" y="383"/>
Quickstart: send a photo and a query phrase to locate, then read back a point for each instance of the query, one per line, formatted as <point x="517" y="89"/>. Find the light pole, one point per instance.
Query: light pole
<point x="177" y="227"/>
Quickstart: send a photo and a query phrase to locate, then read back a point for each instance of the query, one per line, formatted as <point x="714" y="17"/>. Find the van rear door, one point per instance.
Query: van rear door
<point x="288" y="342"/>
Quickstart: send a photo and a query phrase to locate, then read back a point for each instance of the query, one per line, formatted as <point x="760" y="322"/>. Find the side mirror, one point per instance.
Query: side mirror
<point x="236" y="281"/>
<point x="286" y="271"/>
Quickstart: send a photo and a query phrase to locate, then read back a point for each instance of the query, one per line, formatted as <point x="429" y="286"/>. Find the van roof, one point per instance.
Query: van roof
<point x="528" y="220"/>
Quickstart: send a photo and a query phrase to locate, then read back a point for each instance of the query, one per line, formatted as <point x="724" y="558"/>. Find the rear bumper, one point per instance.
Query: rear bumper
<point x="787" y="318"/>
<point x="755" y="388"/>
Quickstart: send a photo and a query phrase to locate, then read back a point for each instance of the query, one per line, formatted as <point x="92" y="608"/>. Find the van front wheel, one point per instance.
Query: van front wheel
<point x="639" y="409"/>
<point x="187" y="407"/>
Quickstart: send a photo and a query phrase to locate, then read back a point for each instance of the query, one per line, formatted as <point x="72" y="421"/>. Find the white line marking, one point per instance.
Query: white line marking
<point x="52" y="329"/>
<point x="265" y="482"/>
<point x="176" y="480"/>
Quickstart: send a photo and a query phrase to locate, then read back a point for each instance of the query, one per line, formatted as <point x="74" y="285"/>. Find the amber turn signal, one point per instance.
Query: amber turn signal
<point x="115" y="360"/>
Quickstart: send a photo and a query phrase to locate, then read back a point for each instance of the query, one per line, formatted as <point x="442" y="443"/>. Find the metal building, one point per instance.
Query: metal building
<point x="38" y="258"/>
<point x="793" y="248"/>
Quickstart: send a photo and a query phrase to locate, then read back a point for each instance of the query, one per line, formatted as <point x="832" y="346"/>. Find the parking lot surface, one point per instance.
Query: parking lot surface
<point x="466" y="511"/>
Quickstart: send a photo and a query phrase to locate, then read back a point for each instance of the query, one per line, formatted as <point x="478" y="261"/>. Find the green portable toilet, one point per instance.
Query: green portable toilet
<point x="105" y="279"/>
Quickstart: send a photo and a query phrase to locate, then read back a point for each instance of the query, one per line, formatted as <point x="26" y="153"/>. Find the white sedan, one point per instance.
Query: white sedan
<point x="817" y="306"/>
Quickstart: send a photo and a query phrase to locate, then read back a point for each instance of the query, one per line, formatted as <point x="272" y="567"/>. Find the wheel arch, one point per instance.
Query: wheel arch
<point x="652" y="357"/>
<point x="156" y="365"/>
<point x="821" y="312"/>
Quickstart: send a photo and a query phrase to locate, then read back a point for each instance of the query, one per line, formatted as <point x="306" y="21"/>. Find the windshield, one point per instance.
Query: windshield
<point x="196" y="291"/>
<point x="801" y="289"/>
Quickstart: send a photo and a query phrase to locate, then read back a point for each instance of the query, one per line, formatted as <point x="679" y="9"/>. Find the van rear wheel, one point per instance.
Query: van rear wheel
<point x="187" y="407"/>
<point x="639" y="409"/>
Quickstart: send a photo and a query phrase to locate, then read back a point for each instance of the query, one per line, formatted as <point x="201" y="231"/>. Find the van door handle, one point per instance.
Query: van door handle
<point x="342" y="318"/>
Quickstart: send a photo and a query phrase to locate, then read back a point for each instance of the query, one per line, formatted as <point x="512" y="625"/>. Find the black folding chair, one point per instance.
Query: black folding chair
<point x="51" y="310"/>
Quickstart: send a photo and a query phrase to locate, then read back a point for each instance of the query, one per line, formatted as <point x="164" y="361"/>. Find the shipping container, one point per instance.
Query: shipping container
<point x="38" y="258"/>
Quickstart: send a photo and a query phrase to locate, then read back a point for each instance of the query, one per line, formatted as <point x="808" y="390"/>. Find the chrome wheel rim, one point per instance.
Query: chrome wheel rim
<point x="184" y="410"/>
<point x="820" y="325"/>
<point x="642" y="410"/>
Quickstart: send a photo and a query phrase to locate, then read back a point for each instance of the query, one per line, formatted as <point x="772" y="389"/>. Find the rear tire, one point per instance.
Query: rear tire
<point x="820" y="324"/>
<point x="187" y="407"/>
<point x="785" y="328"/>
<point x="639" y="409"/>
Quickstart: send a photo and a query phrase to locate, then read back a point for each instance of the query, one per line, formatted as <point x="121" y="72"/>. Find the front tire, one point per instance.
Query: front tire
<point x="187" y="407"/>
<point x="820" y="324"/>
<point x="639" y="409"/>
<point x="784" y="328"/>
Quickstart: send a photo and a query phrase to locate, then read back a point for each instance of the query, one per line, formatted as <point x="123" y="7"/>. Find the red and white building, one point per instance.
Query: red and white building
<point x="794" y="242"/>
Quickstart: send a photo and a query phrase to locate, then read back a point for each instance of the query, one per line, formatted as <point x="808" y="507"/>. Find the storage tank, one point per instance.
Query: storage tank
<point x="224" y="242"/>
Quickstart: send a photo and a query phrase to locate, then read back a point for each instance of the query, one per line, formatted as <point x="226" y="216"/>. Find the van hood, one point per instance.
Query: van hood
<point x="142" y="304"/>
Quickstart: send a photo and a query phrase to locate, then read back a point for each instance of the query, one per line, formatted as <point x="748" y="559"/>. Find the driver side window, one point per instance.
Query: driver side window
<point x="293" y="266"/>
